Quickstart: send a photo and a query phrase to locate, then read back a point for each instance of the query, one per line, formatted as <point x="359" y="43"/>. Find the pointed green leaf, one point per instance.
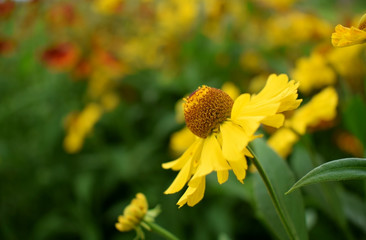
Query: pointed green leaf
<point x="337" y="170"/>
<point x="325" y="196"/>
<point x="277" y="178"/>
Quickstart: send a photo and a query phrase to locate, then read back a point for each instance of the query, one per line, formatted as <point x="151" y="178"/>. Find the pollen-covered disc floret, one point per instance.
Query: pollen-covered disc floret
<point x="205" y="109"/>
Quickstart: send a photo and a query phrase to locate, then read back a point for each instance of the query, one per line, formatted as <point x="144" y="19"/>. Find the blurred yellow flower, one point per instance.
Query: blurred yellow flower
<point x="294" y="27"/>
<point x="107" y="7"/>
<point x="223" y="129"/>
<point x="313" y="73"/>
<point x="280" y="5"/>
<point x="181" y="140"/>
<point x="133" y="214"/>
<point x="78" y="125"/>
<point x="175" y="16"/>
<point x="344" y="36"/>
<point x="322" y="107"/>
<point x="348" y="61"/>
<point x="282" y="141"/>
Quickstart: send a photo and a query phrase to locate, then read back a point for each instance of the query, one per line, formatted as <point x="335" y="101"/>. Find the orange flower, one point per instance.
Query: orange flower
<point x="61" y="57"/>
<point x="6" y="8"/>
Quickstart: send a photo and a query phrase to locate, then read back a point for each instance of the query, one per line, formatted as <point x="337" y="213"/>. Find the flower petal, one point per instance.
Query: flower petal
<point x="187" y="155"/>
<point x="234" y="140"/>
<point x="212" y="158"/>
<point x="239" y="167"/>
<point x="194" y="193"/>
<point x="222" y="176"/>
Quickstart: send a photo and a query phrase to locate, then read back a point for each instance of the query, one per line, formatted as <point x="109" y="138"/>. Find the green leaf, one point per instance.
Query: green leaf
<point x="265" y="210"/>
<point x="277" y="178"/>
<point x="337" y="170"/>
<point x="325" y="196"/>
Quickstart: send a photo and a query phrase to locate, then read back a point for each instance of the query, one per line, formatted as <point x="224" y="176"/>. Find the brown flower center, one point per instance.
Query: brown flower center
<point x="205" y="109"/>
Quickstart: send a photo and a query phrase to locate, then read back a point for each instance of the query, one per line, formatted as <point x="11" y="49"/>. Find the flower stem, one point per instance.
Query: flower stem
<point x="272" y="194"/>
<point x="158" y="229"/>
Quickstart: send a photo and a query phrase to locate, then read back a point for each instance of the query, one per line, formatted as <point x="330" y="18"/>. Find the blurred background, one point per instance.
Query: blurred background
<point x="90" y="103"/>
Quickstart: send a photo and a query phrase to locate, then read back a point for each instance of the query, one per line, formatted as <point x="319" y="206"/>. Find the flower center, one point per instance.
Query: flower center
<point x="205" y="109"/>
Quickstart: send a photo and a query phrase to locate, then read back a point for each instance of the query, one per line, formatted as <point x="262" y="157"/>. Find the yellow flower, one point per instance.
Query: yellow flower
<point x="223" y="129"/>
<point x="133" y="214"/>
<point x="182" y="139"/>
<point x="313" y="73"/>
<point x="322" y="107"/>
<point x="344" y="36"/>
<point x="282" y="141"/>
<point x="78" y="125"/>
<point x="107" y="7"/>
<point x="348" y="62"/>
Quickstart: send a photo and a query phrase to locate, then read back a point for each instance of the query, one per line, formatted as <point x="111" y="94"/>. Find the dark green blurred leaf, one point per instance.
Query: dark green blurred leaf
<point x="277" y="178"/>
<point x="354" y="117"/>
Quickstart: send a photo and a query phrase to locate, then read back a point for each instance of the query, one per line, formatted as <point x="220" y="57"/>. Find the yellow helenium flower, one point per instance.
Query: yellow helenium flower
<point x="182" y="139"/>
<point x="133" y="214"/>
<point x="344" y="36"/>
<point x="282" y="141"/>
<point x="223" y="129"/>
<point x="304" y="73"/>
<point x="322" y="107"/>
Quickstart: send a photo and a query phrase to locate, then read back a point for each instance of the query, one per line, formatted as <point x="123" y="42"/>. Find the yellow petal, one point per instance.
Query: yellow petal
<point x="194" y="193"/>
<point x="282" y="141"/>
<point x="239" y="167"/>
<point x="234" y="140"/>
<point x="181" y="179"/>
<point x="212" y="158"/>
<point x="344" y="36"/>
<point x="239" y="105"/>
<point x="274" y="120"/>
<point x="279" y="90"/>
<point x="222" y="176"/>
<point x="187" y="155"/>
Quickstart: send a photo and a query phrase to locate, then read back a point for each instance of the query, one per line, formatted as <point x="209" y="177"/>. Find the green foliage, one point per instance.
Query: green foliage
<point x="275" y="208"/>
<point x="337" y="170"/>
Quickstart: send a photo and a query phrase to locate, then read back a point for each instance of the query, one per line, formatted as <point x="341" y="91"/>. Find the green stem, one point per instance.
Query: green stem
<point x="272" y="194"/>
<point x="158" y="229"/>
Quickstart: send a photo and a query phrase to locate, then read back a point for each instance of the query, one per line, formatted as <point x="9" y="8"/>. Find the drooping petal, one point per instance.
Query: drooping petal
<point x="181" y="179"/>
<point x="222" y="176"/>
<point x="239" y="168"/>
<point x="187" y="155"/>
<point x="212" y="158"/>
<point x="234" y="140"/>
<point x="194" y="192"/>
